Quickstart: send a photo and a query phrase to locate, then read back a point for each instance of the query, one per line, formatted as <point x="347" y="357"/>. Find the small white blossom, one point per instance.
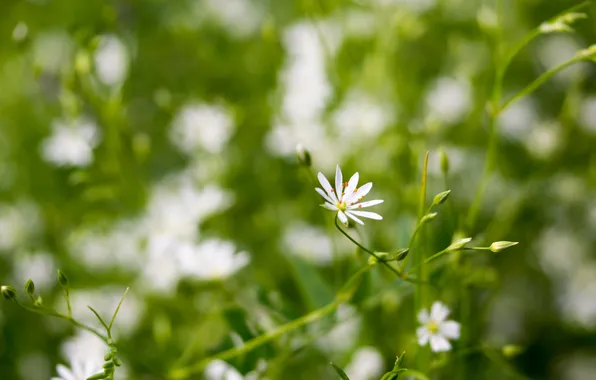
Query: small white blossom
<point x="221" y="370"/>
<point x="79" y="371"/>
<point x="71" y="143"/>
<point x="436" y="329"/>
<point x="345" y="197"/>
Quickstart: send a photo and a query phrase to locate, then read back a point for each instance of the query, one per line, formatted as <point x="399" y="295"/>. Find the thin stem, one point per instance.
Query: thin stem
<point x="100" y="320"/>
<point x="418" y="257"/>
<point x="541" y="80"/>
<point x="116" y="312"/>
<point x="379" y="259"/>
<point x="343" y="296"/>
<point x="52" y="313"/>
<point x="67" y="298"/>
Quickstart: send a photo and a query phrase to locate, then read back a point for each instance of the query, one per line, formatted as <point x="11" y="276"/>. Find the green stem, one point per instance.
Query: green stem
<point x="52" y="313"/>
<point x="541" y="80"/>
<point x="67" y="298"/>
<point x="116" y="312"/>
<point x="418" y="264"/>
<point x="379" y="259"/>
<point x="343" y="296"/>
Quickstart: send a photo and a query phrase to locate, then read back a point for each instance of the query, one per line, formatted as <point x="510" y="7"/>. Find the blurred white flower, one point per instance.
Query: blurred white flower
<point x="212" y="260"/>
<point x="557" y="49"/>
<point x="84" y="347"/>
<point x="361" y="117"/>
<point x="544" y="140"/>
<point x="18" y="222"/>
<point x="52" y="51"/>
<point x="241" y="18"/>
<point x="517" y="121"/>
<point x="366" y="364"/>
<point x="343" y="335"/>
<point x="20" y="31"/>
<point x="201" y="126"/>
<point x="436" y="329"/>
<point x="308" y="242"/>
<point x="111" y="61"/>
<point x="344" y="199"/>
<point x="38" y="266"/>
<point x="305" y="92"/>
<point x="448" y="100"/>
<point x="221" y="370"/>
<point x="78" y="371"/>
<point x="71" y="143"/>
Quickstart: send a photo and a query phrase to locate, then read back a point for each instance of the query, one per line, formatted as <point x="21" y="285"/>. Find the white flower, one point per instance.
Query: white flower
<point x="436" y="329"/>
<point x="345" y="197"/>
<point x="111" y="61"/>
<point x="80" y="370"/>
<point x="221" y="370"/>
<point x="71" y="143"/>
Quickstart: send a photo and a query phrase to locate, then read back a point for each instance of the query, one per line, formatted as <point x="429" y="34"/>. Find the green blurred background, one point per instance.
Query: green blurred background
<point x="151" y="144"/>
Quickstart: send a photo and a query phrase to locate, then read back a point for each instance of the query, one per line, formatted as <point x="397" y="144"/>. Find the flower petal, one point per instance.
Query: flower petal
<point x="352" y="184"/>
<point x="327" y="186"/>
<point x="65" y="372"/>
<point x="423" y="316"/>
<point x="329" y="206"/>
<point x="342" y="217"/>
<point x="361" y="192"/>
<point x="438" y="312"/>
<point x="324" y="195"/>
<point x="339" y="179"/>
<point x="366" y="204"/>
<point x="423" y="335"/>
<point x="354" y="218"/>
<point x="367" y="214"/>
<point x="450" y="329"/>
<point x="438" y="343"/>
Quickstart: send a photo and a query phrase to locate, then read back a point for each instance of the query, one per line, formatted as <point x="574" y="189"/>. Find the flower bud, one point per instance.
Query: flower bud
<point x="108" y="365"/>
<point x="38" y="302"/>
<point x="117" y="362"/>
<point x="8" y="292"/>
<point x="401" y="254"/>
<point x="441" y="197"/>
<point x="98" y="376"/>
<point x="444" y="162"/>
<point x="30" y="287"/>
<point x="458" y="244"/>
<point x="511" y="350"/>
<point x="303" y="155"/>
<point x="62" y="279"/>
<point x="428" y="218"/>
<point x="498" y="246"/>
<point x="108" y="357"/>
<point x="380" y="255"/>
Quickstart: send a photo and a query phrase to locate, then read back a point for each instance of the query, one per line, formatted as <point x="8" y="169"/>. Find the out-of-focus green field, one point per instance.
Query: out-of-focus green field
<point x="151" y="144"/>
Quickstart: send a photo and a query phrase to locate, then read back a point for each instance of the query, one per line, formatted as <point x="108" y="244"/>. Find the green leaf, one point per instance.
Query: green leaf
<point x="340" y="372"/>
<point x="314" y="289"/>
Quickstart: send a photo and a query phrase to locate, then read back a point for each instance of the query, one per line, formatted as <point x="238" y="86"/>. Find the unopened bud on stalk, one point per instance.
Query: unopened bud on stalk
<point x="303" y="155"/>
<point x="98" y="376"/>
<point x="8" y="292"/>
<point x="380" y="255"/>
<point x="62" y="279"/>
<point x="401" y="254"/>
<point x="459" y="244"/>
<point x="511" y="350"/>
<point x="428" y="217"/>
<point x="498" y="246"/>
<point x="441" y="197"/>
<point x="444" y="162"/>
<point x="30" y="287"/>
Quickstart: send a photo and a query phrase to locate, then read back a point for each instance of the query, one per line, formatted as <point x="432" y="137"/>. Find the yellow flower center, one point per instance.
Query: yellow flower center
<point x="433" y="327"/>
<point x="341" y="206"/>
